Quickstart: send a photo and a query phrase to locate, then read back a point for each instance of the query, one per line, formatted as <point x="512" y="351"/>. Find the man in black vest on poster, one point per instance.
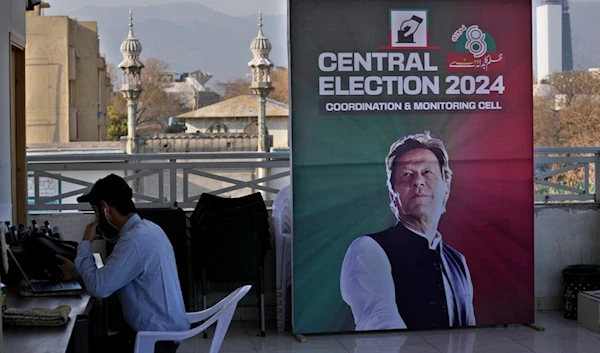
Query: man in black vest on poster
<point x="406" y="276"/>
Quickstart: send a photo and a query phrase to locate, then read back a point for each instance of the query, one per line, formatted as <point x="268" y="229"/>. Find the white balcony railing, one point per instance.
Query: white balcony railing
<point x="158" y="179"/>
<point x="163" y="179"/>
<point x="566" y="174"/>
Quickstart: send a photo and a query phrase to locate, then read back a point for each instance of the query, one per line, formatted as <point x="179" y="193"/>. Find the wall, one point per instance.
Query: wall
<point x="234" y="125"/>
<point x="71" y="226"/>
<point x="88" y="84"/>
<point x="47" y="79"/>
<point x="17" y="16"/>
<point x="566" y="234"/>
<point x="105" y="91"/>
<point x="277" y="126"/>
<point x="181" y="143"/>
<point x="66" y="85"/>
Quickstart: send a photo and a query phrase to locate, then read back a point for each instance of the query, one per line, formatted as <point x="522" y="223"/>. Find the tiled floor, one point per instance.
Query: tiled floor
<point x="560" y="336"/>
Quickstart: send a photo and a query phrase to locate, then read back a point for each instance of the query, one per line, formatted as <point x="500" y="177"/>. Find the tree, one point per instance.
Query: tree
<point x="112" y="71"/>
<point x="573" y="84"/>
<point x="155" y="106"/>
<point x="279" y="78"/>
<point x="579" y="122"/>
<point x="546" y="124"/>
<point x="117" y="124"/>
<point x="568" y="115"/>
<point x="234" y="88"/>
<point x="241" y="86"/>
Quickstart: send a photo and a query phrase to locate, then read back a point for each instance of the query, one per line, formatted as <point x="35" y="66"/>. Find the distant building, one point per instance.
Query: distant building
<point x="68" y="87"/>
<point x="565" y="28"/>
<point x="190" y="88"/>
<point x="239" y="115"/>
<point x="554" y="43"/>
<point x="544" y="90"/>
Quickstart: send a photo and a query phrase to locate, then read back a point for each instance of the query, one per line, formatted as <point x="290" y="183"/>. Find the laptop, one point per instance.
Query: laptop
<point x="46" y="287"/>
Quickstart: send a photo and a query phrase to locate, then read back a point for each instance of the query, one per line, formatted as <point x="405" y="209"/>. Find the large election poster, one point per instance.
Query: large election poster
<point x="412" y="163"/>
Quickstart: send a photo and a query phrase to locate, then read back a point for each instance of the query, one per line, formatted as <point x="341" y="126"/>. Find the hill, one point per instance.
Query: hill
<point x="188" y="36"/>
<point x="585" y="24"/>
<point x="192" y="36"/>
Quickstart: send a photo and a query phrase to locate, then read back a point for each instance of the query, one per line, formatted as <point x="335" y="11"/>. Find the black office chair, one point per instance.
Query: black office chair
<point x="232" y="237"/>
<point x="212" y="202"/>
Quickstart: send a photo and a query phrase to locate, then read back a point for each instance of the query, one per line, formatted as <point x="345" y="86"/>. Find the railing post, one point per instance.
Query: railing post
<point x="173" y="180"/>
<point x="253" y="177"/>
<point x="262" y="173"/>
<point x="36" y="183"/>
<point x="186" y="184"/>
<point x="596" y="175"/>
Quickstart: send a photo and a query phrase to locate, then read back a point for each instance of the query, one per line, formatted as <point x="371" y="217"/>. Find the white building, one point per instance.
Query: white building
<point x="239" y="115"/>
<point x="190" y="88"/>
<point x="549" y="40"/>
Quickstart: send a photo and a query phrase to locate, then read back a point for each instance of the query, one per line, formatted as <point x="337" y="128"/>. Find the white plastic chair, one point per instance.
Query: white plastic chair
<point x="282" y="229"/>
<point x="222" y="313"/>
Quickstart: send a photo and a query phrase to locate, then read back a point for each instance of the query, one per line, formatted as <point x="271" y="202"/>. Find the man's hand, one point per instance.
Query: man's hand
<point x="66" y="267"/>
<point x="90" y="231"/>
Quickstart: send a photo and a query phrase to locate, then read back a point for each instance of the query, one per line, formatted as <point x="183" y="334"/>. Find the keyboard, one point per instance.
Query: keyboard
<point x="48" y="287"/>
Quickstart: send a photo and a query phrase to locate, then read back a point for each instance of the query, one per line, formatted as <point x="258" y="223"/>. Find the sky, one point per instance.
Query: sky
<point x="229" y="7"/>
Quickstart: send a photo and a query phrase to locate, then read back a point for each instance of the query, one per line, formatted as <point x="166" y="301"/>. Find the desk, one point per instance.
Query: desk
<point x="23" y="339"/>
<point x="73" y="336"/>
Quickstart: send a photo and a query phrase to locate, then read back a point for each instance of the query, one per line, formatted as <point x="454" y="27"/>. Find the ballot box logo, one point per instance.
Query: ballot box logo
<point x="408" y="29"/>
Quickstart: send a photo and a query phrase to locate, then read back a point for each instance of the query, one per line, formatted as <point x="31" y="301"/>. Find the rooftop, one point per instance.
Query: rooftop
<point x="75" y="147"/>
<point x="239" y="107"/>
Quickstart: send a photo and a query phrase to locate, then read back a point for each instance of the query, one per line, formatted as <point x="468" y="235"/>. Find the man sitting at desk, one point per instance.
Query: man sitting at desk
<point x="141" y="268"/>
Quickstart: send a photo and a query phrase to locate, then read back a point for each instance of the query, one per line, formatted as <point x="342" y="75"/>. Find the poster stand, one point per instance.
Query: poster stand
<point x="412" y="164"/>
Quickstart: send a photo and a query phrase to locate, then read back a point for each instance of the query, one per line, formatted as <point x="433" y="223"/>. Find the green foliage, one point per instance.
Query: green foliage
<point x="117" y="124"/>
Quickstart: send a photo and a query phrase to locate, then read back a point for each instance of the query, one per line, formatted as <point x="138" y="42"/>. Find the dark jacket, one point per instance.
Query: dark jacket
<point x="418" y="279"/>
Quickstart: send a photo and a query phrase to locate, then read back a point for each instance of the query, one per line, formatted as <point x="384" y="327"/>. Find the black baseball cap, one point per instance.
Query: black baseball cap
<point x="111" y="189"/>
